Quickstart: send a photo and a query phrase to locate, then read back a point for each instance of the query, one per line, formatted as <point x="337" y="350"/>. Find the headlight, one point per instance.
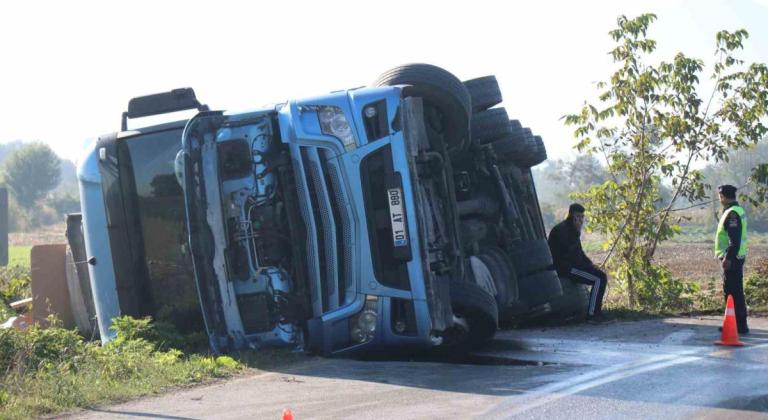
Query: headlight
<point x="363" y="326"/>
<point x="333" y="122"/>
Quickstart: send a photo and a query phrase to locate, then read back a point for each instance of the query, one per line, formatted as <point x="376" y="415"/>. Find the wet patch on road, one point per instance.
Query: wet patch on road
<point x="748" y="403"/>
<point x="493" y="360"/>
<point x="461" y="358"/>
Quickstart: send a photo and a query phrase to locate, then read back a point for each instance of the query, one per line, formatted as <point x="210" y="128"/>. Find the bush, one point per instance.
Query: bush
<point x="22" y="219"/>
<point x="756" y="290"/>
<point x="37" y="349"/>
<point x="660" y="292"/>
<point x="64" y="204"/>
<point x="756" y="285"/>
<point x="47" y="370"/>
<point x="162" y="334"/>
<point x="14" y="283"/>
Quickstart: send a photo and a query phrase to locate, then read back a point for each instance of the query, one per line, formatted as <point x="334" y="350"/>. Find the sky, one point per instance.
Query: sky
<point x="69" y="68"/>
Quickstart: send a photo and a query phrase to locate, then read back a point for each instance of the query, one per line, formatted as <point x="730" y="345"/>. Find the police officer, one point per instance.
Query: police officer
<point x="731" y="249"/>
<point x="571" y="262"/>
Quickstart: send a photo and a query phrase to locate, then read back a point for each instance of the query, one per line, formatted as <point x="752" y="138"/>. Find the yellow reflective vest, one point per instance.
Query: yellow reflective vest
<point x="721" y="237"/>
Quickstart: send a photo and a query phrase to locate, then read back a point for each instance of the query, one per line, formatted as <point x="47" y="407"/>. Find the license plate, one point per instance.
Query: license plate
<point x="397" y="217"/>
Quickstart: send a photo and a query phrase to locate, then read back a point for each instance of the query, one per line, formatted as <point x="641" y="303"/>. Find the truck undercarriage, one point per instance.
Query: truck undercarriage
<point x="402" y="215"/>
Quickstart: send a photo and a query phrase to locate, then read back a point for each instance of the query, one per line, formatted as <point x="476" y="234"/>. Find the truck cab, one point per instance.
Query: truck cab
<point x="360" y="220"/>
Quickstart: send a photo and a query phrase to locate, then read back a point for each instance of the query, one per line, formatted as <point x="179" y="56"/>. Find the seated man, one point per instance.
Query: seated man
<point x="571" y="262"/>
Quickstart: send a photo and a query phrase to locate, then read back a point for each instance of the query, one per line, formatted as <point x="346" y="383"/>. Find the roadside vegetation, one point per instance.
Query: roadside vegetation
<point x="19" y="256"/>
<point x="49" y="370"/>
<point x="651" y="147"/>
<point x="44" y="371"/>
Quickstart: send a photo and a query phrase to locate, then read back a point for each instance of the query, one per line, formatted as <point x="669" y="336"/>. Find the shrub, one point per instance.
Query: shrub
<point x="659" y="291"/>
<point x="14" y="283"/>
<point x="37" y="349"/>
<point x="162" y="334"/>
<point x="756" y="290"/>
<point x="64" y="204"/>
<point x="47" y="370"/>
<point x="756" y="285"/>
<point x="22" y="219"/>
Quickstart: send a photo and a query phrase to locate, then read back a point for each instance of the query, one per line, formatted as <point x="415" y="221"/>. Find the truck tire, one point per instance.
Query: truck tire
<point x="509" y="148"/>
<point x="523" y="150"/>
<point x="443" y="91"/>
<point x="534" y="152"/>
<point x="539" y="288"/>
<point x="515" y="127"/>
<point x="478" y="307"/>
<point x="484" y="91"/>
<point x="504" y="276"/>
<point x="573" y="304"/>
<point x="490" y="125"/>
<point x="537" y="153"/>
<point x="529" y="256"/>
<point x="534" y="204"/>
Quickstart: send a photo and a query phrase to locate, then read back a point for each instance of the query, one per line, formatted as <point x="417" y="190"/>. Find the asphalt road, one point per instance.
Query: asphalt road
<point x="648" y="369"/>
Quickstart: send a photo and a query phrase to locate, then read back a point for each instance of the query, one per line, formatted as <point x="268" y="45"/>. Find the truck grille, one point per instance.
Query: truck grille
<point x="329" y="229"/>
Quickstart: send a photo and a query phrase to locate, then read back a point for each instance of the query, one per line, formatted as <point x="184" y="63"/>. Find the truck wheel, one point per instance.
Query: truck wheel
<point x="538" y="288"/>
<point x="533" y="152"/>
<point x="529" y="256"/>
<point x="484" y="91"/>
<point x="490" y="125"/>
<point x="510" y="148"/>
<point x="574" y="302"/>
<point x="478" y="307"/>
<point x="504" y="276"/>
<point x="523" y="149"/>
<point x="536" y="152"/>
<point x="515" y="128"/>
<point x="441" y="90"/>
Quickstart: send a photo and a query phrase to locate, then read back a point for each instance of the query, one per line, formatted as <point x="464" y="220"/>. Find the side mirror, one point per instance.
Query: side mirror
<point x="161" y="103"/>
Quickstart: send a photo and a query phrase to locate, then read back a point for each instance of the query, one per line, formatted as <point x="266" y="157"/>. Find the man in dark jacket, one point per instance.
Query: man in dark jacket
<point x="571" y="262"/>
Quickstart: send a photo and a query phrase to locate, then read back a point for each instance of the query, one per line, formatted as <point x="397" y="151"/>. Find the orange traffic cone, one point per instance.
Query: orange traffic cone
<point x="730" y="335"/>
<point x="287" y="414"/>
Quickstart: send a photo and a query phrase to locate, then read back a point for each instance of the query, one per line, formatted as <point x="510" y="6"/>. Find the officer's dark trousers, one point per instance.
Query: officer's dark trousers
<point x="595" y="278"/>
<point x="733" y="284"/>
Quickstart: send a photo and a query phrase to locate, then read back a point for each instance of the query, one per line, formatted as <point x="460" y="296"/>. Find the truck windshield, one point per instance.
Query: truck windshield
<point x="150" y="191"/>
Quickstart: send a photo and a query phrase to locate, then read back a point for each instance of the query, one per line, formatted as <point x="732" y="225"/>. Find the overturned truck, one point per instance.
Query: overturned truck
<point x="398" y="215"/>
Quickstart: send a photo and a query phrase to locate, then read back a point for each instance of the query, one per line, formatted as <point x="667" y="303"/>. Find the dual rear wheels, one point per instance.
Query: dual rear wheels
<point x="465" y="117"/>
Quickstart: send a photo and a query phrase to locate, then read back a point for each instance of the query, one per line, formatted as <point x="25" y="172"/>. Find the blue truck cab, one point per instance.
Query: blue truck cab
<point x="304" y="224"/>
<point x="365" y="219"/>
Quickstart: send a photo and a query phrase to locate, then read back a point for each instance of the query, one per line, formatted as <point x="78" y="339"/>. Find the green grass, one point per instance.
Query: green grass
<point x="48" y="371"/>
<point x="19" y="255"/>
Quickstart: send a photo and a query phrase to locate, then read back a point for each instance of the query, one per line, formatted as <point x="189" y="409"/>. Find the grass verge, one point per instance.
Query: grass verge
<point x="47" y="371"/>
<point x="19" y="256"/>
